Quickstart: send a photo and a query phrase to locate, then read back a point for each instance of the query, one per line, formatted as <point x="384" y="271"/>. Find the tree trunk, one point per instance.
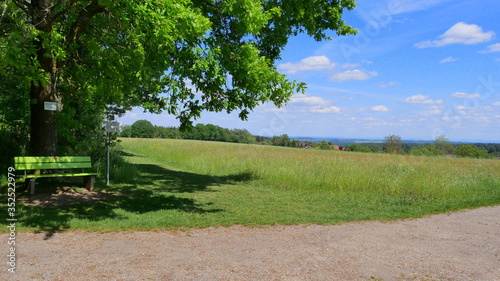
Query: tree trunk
<point x="43" y="137"/>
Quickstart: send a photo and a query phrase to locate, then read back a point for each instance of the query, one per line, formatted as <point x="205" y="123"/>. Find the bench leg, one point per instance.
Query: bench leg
<point x="30" y="185"/>
<point x="89" y="182"/>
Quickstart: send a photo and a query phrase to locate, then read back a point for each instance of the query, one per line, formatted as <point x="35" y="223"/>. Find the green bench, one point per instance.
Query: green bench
<point x="60" y="167"/>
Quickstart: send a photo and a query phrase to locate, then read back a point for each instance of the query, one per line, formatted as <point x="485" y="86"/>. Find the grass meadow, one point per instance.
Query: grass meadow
<point x="177" y="184"/>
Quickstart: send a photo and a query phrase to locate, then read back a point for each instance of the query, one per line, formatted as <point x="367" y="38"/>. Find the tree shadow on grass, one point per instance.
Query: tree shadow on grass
<point x="180" y="182"/>
<point x="150" y="192"/>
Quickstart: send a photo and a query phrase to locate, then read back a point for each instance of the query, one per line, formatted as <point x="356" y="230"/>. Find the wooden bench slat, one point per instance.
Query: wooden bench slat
<point x="56" y="175"/>
<point x="51" y="159"/>
<point x="42" y="166"/>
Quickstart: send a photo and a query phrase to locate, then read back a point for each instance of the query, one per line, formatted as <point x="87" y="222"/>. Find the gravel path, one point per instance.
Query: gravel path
<point x="458" y="246"/>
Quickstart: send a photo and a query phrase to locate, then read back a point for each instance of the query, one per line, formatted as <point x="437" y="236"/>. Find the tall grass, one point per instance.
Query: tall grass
<point x="331" y="172"/>
<point x="181" y="183"/>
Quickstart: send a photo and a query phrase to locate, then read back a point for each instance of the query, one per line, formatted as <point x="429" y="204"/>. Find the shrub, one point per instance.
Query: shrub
<point x="142" y="129"/>
<point x="470" y="150"/>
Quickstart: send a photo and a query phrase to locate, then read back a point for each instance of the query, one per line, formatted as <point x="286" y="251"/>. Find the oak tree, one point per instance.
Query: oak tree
<point x="178" y="56"/>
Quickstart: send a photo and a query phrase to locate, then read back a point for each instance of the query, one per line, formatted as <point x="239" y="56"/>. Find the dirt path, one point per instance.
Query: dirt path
<point x="457" y="246"/>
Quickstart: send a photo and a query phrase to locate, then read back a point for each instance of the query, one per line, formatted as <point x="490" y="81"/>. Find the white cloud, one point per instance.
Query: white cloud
<point x="448" y="59"/>
<point x="131" y="115"/>
<point x="308" y="64"/>
<point x="392" y="83"/>
<point x="492" y="48"/>
<point x="460" y="33"/>
<point x="496" y="103"/>
<point x="463" y="95"/>
<point x="461" y="109"/>
<point x="408" y="6"/>
<point x="273" y="109"/>
<point x="308" y="100"/>
<point x="314" y="104"/>
<point x="330" y="109"/>
<point x="355" y="74"/>
<point x="372" y="10"/>
<point x="421" y="99"/>
<point x="350" y="65"/>
<point x="380" y="108"/>
<point x="433" y="110"/>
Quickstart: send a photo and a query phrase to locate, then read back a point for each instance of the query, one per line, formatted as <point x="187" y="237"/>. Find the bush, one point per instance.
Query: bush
<point x="421" y="151"/>
<point x="470" y="150"/>
<point x="126" y="131"/>
<point x="142" y="129"/>
<point x="358" y="148"/>
<point x="324" y="145"/>
<point x="443" y="146"/>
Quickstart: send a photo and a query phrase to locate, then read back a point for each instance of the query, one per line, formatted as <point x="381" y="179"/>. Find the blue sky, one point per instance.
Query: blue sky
<point x="417" y="68"/>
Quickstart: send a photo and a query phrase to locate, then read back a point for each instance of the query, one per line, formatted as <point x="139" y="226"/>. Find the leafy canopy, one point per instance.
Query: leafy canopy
<point x="179" y="56"/>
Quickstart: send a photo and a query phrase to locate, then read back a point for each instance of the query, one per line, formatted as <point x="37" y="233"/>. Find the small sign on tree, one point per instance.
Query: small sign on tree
<point x="50" y="106"/>
<point x="113" y="127"/>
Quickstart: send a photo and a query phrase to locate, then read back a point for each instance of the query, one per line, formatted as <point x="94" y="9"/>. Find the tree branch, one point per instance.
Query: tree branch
<point x="23" y="5"/>
<point x="4" y="9"/>
<point x="21" y="2"/>
<point x="84" y="18"/>
<point x="64" y="11"/>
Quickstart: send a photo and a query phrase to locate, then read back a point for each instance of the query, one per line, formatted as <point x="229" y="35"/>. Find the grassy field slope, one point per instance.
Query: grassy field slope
<point x="181" y="183"/>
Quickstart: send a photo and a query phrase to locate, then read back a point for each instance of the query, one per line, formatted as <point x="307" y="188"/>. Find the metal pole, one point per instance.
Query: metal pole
<point x="107" y="159"/>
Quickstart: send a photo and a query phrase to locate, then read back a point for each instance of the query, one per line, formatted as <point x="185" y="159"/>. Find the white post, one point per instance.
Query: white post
<point x="111" y="127"/>
<point x="107" y="159"/>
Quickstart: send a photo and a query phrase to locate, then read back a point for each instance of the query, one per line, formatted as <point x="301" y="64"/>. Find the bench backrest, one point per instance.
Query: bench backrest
<point x="51" y="162"/>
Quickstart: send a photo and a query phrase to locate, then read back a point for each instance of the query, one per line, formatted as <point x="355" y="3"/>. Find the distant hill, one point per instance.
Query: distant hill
<point x="344" y="141"/>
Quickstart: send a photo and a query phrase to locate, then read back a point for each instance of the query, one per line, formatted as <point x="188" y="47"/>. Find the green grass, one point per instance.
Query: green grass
<point x="177" y="184"/>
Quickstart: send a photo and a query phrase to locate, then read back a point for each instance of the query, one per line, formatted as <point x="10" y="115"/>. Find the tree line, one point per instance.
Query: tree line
<point x="392" y="144"/>
<point x="440" y="147"/>
<point x="209" y="132"/>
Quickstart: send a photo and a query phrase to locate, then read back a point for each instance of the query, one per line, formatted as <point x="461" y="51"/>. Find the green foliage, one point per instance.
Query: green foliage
<point x="358" y="148"/>
<point x="142" y="129"/>
<point x="126" y="131"/>
<point x="80" y="128"/>
<point x="159" y="54"/>
<point x="492" y="148"/>
<point x="443" y="146"/>
<point x="215" y="133"/>
<point x="422" y="151"/>
<point x="14" y="118"/>
<point x="282" y="140"/>
<point x="375" y="148"/>
<point x="470" y="150"/>
<point x="201" y="131"/>
<point x="393" y="144"/>
<point x="324" y="145"/>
